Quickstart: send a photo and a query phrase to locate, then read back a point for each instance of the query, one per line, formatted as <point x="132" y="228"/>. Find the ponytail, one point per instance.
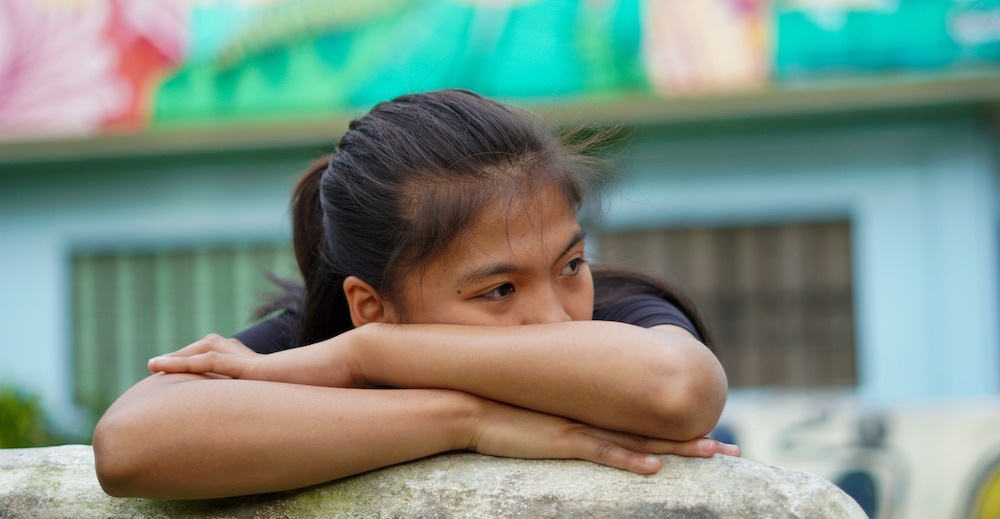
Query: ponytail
<point x="324" y="312"/>
<point x="319" y="306"/>
<point x="307" y="221"/>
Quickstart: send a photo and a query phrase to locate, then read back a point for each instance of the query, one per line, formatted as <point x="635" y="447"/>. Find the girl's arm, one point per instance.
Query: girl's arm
<point x="658" y="382"/>
<point x="197" y="436"/>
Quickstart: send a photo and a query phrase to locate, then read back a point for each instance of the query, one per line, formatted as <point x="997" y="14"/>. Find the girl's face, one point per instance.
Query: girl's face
<point x="521" y="263"/>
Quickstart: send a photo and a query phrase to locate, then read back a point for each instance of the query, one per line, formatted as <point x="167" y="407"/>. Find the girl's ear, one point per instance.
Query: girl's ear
<point x="365" y="304"/>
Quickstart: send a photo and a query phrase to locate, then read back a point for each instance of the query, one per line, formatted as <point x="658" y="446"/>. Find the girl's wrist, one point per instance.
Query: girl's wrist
<point x="363" y="351"/>
<point x="355" y="347"/>
<point x="374" y="355"/>
<point x="466" y="416"/>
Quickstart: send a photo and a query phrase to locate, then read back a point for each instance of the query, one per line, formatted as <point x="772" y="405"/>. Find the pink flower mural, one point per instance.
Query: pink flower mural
<point x="79" y="67"/>
<point x="706" y="47"/>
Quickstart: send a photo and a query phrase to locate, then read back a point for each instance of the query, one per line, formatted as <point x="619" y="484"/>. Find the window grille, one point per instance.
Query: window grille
<point x="777" y="297"/>
<point x="129" y="306"/>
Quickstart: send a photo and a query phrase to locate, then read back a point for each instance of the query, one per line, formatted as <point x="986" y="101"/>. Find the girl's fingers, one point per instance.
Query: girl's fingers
<point x="611" y="454"/>
<point x="728" y="449"/>
<point x="233" y="366"/>
<point x="212" y="354"/>
<point x="699" y="447"/>
<point x="211" y="342"/>
<point x="521" y="433"/>
<point x="312" y="365"/>
<point x="634" y="453"/>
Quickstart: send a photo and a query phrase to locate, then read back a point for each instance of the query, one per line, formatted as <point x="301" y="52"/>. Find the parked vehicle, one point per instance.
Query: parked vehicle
<point x="916" y="461"/>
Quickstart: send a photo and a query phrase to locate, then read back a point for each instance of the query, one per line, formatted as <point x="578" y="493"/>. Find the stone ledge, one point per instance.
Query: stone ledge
<point x="56" y="482"/>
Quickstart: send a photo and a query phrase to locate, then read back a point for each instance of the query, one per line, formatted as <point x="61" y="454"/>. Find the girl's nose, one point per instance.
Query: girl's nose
<point x="545" y="307"/>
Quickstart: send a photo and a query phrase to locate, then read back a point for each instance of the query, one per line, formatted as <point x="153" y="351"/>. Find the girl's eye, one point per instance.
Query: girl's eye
<point x="499" y="293"/>
<point x="573" y="267"/>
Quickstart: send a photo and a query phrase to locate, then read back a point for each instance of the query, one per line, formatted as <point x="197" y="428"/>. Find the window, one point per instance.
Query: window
<point x="129" y="306"/>
<point x="777" y="297"/>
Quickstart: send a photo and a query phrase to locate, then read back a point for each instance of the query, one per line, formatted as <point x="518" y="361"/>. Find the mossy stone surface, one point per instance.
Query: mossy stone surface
<point x="56" y="482"/>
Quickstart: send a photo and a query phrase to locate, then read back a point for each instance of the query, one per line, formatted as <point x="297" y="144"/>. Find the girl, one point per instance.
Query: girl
<point x="441" y="256"/>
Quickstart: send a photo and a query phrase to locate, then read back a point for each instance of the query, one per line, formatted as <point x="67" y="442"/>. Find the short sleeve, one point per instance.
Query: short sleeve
<point x="271" y="335"/>
<point x="646" y="311"/>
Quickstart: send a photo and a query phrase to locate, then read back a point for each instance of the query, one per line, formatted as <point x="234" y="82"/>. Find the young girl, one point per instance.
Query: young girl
<point x="442" y="257"/>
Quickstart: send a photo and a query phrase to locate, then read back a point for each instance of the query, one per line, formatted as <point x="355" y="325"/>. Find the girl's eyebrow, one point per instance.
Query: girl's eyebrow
<point x="489" y="270"/>
<point x="578" y="237"/>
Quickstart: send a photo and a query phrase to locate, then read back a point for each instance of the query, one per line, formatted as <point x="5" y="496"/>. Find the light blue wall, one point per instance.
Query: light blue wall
<point x="921" y="195"/>
<point x="48" y="210"/>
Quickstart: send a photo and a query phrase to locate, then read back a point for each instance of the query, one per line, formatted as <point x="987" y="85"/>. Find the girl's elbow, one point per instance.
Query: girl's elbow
<point x="691" y="407"/>
<point x="705" y="406"/>
<point x="116" y="469"/>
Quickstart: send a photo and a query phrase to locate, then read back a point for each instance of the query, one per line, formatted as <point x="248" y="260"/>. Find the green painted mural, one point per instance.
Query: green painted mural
<point x="879" y="36"/>
<point x="92" y="66"/>
<point x="303" y="56"/>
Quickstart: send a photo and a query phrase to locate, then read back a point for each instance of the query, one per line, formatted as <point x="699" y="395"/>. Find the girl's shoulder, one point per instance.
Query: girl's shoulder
<point x="272" y="334"/>
<point x="646" y="311"/>
<point x="636" y="298"/>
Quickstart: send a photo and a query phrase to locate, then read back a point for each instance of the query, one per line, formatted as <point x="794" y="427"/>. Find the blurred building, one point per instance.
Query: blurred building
<point x="822" y="176"/>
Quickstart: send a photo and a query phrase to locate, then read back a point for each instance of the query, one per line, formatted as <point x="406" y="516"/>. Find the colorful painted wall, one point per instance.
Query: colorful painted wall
<point x="93" y="66"/>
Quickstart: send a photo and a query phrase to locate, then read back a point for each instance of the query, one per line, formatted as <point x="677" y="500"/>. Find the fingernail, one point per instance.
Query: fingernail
<point x="708" y="446"/>
<point x="651" y="462"/>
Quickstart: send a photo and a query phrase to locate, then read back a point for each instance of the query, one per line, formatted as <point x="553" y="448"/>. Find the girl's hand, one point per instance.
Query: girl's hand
<point x="211" y="354"/>
<point x="321" y="364"/>
<point x="508" y="431"/>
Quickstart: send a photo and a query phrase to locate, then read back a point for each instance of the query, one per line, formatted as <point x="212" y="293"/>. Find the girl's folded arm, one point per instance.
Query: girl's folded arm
<point x="184" y="436"/>
<point x="659" y="382"/>
<point x="193" y="436"/>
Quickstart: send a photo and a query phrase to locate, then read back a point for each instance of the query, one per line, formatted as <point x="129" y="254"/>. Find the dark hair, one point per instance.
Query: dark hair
<point x="407" y="179"/>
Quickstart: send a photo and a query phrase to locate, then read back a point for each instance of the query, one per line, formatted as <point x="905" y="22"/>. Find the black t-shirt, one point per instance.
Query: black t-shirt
<point x="278" y="333"/>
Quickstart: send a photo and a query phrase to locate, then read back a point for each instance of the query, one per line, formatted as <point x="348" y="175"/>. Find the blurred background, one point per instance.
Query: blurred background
<point x="822" y="176"/>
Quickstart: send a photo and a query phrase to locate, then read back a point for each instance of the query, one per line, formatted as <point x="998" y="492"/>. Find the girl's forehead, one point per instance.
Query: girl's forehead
<point x="540" y="224"/>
